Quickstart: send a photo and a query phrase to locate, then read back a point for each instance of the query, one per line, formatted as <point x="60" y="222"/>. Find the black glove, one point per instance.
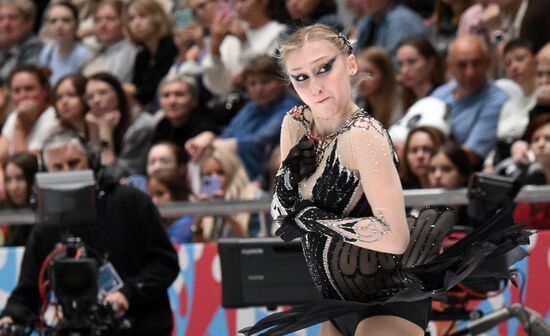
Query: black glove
<point x="300" y="161"/>
<point x="289" y="229"/>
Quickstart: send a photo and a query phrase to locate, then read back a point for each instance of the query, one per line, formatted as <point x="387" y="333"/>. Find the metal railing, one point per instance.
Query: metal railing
<point x="416" y="197"/>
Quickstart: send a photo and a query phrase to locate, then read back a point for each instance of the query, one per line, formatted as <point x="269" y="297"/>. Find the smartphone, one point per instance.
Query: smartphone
<point x="211" y="185"/>
<point x="108" y="280"/>
<point x="183" y="18"/>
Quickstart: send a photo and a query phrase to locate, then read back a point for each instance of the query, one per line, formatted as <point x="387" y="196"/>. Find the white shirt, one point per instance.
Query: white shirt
<point x="46" y="124"/>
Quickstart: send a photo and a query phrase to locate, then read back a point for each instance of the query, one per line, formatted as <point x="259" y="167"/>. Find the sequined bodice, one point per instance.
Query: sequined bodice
<point x="342" y="270"/>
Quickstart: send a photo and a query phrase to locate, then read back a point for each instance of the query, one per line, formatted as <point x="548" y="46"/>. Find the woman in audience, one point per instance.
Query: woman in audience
<point x="121" y="133"/>
<point x="307" y="12"/>
<point x="164" y="186"/>
<point x="224" y="177"/>
<point x="65" y="54"/>
<point x="256" y="127"/>
<point x="181" y="117"/>
<point x="443" y="27"/>
<point x="69" y="103"/>
<point x="377" y="92"/>
<point x="237" y="35"/>
<point x="150" y="27"/>
<point x="420" y="69"/>
<point x="537" y="215"/>
<point x="116" y="54"/>
<point x="419" y="147"/>
<point x="33" y="119"/>
<point x="19" y="170"/>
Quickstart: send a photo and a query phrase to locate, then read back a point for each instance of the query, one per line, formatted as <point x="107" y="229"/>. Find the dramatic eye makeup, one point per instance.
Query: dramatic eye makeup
<point x="322" y="69"/>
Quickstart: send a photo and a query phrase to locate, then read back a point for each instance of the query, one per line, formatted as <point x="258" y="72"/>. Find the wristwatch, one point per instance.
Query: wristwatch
<point x="497" y="36"/>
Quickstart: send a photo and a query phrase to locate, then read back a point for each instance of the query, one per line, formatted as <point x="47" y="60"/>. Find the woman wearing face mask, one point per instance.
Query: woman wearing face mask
<point x="121" y="133"/>
<point x="65" y="54"/>
<point x="19" y="171"/>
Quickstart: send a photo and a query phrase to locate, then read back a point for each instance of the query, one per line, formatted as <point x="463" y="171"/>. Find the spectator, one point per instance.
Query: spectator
<point x="19" y="170"/>
<point x="308" y="12"/>
<point x="377" y="91"/>
<point x="164" y="186"/>
<point x="65" y="54"/>
<point x="5" y="102"/>
<point x="252" y="32"/>
<point x="519" y="62"/>
<point x="149" y="26"/>
<point x="33" y="119"/>
<point x="386" y="23"/>
<point x="18" y="45"/>
<point x="256" y="128"/>
<point x="443" y="27"/>
<point x="189" y="41"/>
<point x="181" y="117"/>
<point x="419" y="147"/>
<point x="542" y="92"/>
<point x="449" y="169"/>
<point x="69" y="103"/>
<point x="128" y="232"/>
<point x="420" y="69"/>
<point x="474" y="100"/>
<point x="224" y="177"/>
<point x="116" y="54"/>
<point x="537" y="215"/>
<point x="122" y="134"/>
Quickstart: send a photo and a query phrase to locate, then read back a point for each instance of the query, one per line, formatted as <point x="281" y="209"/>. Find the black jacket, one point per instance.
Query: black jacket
<point x="131" y="234"/>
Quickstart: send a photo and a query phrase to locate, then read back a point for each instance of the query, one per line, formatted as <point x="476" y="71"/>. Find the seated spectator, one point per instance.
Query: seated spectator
<point x="181" y="117"/>
<point x="444" y="23"/>
<point x="5" y="102"/>
<point x="19" y="170"/>
<point x="537" y="215"/>
<point x="65" y="54"/>
<point x="520" y="148"/>
<point x="149" y="26"/>
<point x="475" y="102"/>
<point x="308" y="12"/>
<point x="122" y="134"/>
<point x="116" y="54"/>
<point x="224" y="177"/>
<point x="33" y="119"/>
<point x="189" y="41"/>
<point x="69" y="103"/>
<point x="377" y="91"/>
<point x="449" y="169"/>
<point x="164" y="186"/>
<point x="257" y="126"/>
<point x="419" y="147"/>
<point x="18" y="45"/>
<point x="420" y="69"/>
<point x="236" y="37"/>
<point x="519" y="66"/>
<point x="386" y="23"/>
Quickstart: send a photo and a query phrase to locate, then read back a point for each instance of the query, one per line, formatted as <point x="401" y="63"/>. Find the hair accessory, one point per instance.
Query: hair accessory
<point x="346" y="41"/>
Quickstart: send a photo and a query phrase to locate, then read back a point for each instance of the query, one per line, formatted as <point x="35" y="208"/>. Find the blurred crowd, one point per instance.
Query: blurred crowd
<point x="184" y="98"/>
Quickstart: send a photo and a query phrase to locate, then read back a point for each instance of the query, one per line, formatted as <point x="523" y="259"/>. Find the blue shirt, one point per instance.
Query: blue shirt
<point x="179" y="232"/>
<point x="61" y="66"/>
<point x="474" y="119"/>
<point x="397" y="23"/>
<point x="257" y="130"/>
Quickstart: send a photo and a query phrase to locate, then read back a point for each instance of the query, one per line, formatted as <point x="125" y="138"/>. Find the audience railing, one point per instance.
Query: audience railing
<point x="415" y="197"/>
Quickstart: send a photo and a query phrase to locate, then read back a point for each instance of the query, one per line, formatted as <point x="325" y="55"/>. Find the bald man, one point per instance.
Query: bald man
<point x="474" y="100"/>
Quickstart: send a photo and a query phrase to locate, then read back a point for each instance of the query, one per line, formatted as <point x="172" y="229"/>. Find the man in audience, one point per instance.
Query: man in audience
<point x="386" y="23"/>
<point x="474" y="100"/>
<point x="129" y="232"/>
<point x="18" y="45"/>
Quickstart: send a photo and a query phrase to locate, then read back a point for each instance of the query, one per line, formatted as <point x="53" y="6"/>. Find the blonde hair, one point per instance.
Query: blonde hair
<point x="316" y="32"/>
<point x="154" y="9"/>
<point x="26" y="8"/>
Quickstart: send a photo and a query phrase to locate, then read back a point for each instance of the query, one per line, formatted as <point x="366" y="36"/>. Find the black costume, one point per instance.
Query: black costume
<point x="356" y="282"/>
<point x="131" y="234"/>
